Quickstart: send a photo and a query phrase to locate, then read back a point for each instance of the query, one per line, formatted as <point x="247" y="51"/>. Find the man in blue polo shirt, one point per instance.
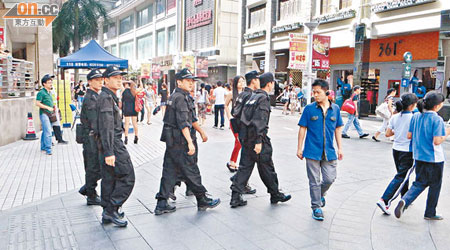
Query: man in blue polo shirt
<point x="321" y="122"/>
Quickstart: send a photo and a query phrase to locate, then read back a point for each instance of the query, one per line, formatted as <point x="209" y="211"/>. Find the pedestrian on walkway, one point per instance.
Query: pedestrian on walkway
<point x="389" y="99"/>
<point x="202" y="102"/>
<point x="117" y="170"/>
<point x="401" y="149"/>
<point x="427" y="133"/>
<point x="150" y="100"/>
<point x="89" y="122"/>
<point x="80" y="91"/>
<point x="256" y="145"/>
<point x="353" y="118"/>
<point x="129" y="110"/>
<point x="180" y="159"/>
<point x="164" y="95"/>
<point x="322" y="123"/>
<point x="219" y="105"/>
<point x="56" y="125"/>
<point x="285" y="99"/>
<point x="45" y="103"/>
<point x="448" y="88"/>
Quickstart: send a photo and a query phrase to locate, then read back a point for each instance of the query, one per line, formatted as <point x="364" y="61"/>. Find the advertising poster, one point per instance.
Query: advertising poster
<point x="146" y="69"/>
<point x="297" y="51"/>
<point x="2" y="38"/>
<point x="202" y="66"/>
<point x="188" y="62"/>
<point x="156" y="71"/>
<point x="321" y="52"/>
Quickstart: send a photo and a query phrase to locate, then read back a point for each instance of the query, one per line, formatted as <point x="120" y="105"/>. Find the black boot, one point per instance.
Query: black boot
<point x="126" y="140"/>
<point x="279" y="197"/>
<point x="113" y="217"/>
<point x="188" y="192"/>
<point x="135" y="140"/>
<point x="94" y="200"/>
<point x="163" y="207"/>
<point x="83" y="190"/>
<point x="249" y="190"/>
<point x="236" y="200"/>
<point x="204" y="202"/>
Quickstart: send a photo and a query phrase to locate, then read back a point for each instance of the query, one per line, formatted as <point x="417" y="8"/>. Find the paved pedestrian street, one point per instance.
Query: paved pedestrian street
<point x="41" y="208"/>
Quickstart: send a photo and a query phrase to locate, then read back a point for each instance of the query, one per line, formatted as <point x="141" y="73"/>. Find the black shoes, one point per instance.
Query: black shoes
<point x="236" y="200"/>
<point x="279" y="197"/>
<point x="189" y="192"/>
<point x="204" y="203"/>
<point x="126" y="140"/>
<point x="248" y="190"/>
<point x="363" y="136"/>
<point x="113" y="218"/>
<point x="135" y="140"/>
<point x="63" y="142"/>
<point x="345" y="136"/>
<point x="375" y="139"/>
<point x="94" y="200"/>
<point x="232" y="170"/>
<point x="83" y="190"/>
<point x="163" y="207"/>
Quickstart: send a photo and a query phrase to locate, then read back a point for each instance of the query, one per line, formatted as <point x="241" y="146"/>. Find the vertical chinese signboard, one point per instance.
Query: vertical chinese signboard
<point x="297" y="51"/>
<point x="202" y="66"/>
<point x="321" y="52"/>
<point x="188" y="62"/>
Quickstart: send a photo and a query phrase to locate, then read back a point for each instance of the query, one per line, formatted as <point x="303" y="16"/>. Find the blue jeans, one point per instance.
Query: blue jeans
<point x="403" y="162"/>
<point x="428" y="174"/>
<point x="219" y="108"/>
<point x="46" y="137"/>
<point x="353" y="119"/>
<point x="80" y="100"/>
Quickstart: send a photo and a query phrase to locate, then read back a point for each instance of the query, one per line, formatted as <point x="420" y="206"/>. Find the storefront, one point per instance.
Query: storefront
<point x="384" y="70"/>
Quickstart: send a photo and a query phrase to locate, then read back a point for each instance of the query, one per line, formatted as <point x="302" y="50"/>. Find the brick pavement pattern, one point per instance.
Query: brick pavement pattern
<point x="352" y="220"/>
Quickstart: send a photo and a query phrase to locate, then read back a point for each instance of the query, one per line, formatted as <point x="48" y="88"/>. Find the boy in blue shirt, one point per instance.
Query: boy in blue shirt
<point x="427" y="133"/>
<point x="321" y="122"/>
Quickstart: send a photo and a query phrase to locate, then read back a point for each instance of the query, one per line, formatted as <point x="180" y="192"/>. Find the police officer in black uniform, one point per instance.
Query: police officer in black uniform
<point x="180" y="158"/>
<point x="88" y="119"/>
<point x="117" y="170"/>
<point x="256" y="146"/>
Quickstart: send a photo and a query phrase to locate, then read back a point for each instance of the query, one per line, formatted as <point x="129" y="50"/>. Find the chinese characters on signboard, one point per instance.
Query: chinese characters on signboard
<point x="321" y="52"/>
<point x="297" y="51"/>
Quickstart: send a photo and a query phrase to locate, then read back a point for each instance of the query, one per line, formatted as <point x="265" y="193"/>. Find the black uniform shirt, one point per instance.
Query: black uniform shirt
<point x="88" y="116"/>
<point x="261" y="116"/>
<point x="241" y="99"/>
<point x="180" y="112"/>
<point x="110" y="125"/>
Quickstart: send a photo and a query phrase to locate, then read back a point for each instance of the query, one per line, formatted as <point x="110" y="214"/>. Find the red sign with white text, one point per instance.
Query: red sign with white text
<point x="321" y="52"/>
<point x="198" y="20"/>
<point x="2" y="37"/>
<point x="156" y="71"/>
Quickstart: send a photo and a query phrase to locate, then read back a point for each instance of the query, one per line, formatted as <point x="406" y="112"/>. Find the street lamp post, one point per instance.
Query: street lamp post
<point x="309" y="74"/>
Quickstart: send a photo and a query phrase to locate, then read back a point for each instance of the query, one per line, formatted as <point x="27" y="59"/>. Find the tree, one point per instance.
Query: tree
<point x="77" y="21"/>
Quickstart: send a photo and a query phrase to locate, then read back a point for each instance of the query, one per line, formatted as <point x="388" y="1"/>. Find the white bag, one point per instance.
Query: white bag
<point x="383" y="111"/>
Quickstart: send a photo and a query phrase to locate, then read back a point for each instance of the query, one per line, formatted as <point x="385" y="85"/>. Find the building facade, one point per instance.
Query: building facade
<point x="368" y="40"/>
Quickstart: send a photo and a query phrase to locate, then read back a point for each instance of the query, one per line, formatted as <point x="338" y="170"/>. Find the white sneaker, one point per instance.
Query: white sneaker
<point x="383" y="207"/>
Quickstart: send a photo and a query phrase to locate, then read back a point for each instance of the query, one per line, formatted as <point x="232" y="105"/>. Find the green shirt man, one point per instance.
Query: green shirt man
<point x="45" y="98"/>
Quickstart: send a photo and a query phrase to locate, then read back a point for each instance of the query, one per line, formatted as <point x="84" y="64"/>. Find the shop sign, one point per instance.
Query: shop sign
<point x="254" y="34"/>
<point x="156" y="71"/>
<point x="339" y="16"/>
<point x="287" y="27"/>
<point x="397" y="4"/>
<point x="262" y="64"/>
<point x="202" y="66"/>
<point x="188" y="62"/>
<point x="198" y="2"/>
<point x="406" y="70"/>
<point x="321" y="52"/>
<point x="145" y="70"/>
<point x="200" y="19"/>
<point x="371" y="74"/>
<point x="298" y="44"/>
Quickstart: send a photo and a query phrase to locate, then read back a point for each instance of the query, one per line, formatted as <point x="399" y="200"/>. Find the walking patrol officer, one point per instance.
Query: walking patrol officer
<point x="180" y="158"/>
<point x="117" y="170"/>
<point x="89" y="119"/>
<point x="256" y="146"/>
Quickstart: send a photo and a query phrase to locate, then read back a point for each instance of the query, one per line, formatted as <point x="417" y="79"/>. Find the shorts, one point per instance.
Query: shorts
<point x="163" y="103"/>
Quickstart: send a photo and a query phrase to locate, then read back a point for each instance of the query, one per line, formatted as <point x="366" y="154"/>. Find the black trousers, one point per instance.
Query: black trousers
<point x="58" y="133"/>
<point x="117" y="183"/>
<point x="403" y="162"/>
<point x="219" y="109"/>
<point x="179" y="165"/>
<point x="265" y="166"/>
<point x="91" y="165"/>
<point x="448" y="92"/>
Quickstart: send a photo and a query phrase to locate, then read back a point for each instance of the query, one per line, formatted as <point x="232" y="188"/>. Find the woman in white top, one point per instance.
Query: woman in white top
<point x="150" y="100"/>
<point x="285" y="99"/>
<point x="389" y="100"/>
<point x="202" y="102"/>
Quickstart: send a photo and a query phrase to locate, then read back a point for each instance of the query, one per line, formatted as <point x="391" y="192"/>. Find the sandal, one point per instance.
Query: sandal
<point x="231" y="168"/>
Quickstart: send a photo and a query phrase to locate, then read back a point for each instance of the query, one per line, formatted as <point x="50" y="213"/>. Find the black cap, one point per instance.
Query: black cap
<point x="113" y="71"/>
<point x="251" y="75"/>
<point x="46" y="78"/>
<point x="184" y="74"/>
<point x="95" y="73"/>
<point x="266" y="78"/>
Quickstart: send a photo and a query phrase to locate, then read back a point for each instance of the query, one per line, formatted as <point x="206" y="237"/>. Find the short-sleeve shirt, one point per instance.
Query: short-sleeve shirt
<point x="355" y="98"/>
<point x="400" y="124"/>
<point x="219" y="93"/>
<point x="424" y="127"/>
<point x="317" y="146"/>
<point x="45" y="98"/>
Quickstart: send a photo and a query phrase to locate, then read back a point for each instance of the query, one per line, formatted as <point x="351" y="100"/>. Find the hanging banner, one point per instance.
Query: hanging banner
<point x="298" y="44"/>
<point x="146" y="69"/>
<point x="321" y="52"/>
<point x="2" y="38"/>
<point x="156" y="71"/>
<point x="188" y="62"/>
<point x="202" y="66"/>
